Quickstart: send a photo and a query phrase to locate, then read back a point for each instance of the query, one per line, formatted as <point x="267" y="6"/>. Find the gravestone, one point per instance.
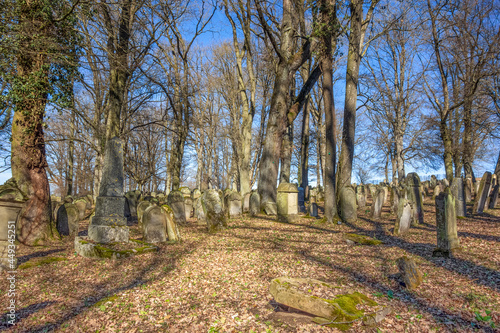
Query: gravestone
<point x="68" y="217"/>
<point x="410" y="274"/>
<point x="313" y="207"/>
<point x="348" y="208"/>
<point x="12" y="200"/>
<point x="270" y="208"/>
<point x="437" y="190"/>
<point x="214" y="213"/>
<point x="302" y="198"/>
<point x="445" y="183"/>
<point x="287" y="202"/>
<point x="246" y="203"/>
<point x="175" y="201"/>
<point x="414" y="197"/>
<point x="468" y="189"/>
<point x="482" y="193"/>
<point x="457" y="190"/>
<point x="173" y="233"/>
<point x="403" y="217"/>
<point x="195" y="194"/>
<point x="446" y="225"/>
<point x="154" y="225"/>
<point x="373" y="191"/>
<point x="132" y="199"/>
<point x="254" y="203"/>
<point x="361" y="196"/>
<point x="433" y="181"/>
<point x="198" y="212"/>
<point x="394" y="198"/>
<point x="494" y="197"/>
<point x="82" y="206"/>
<point x="109" y="223"/>
<point x="378" y="202"/>
<point x="141" y="208"/>
<point x="234" y="204"/>
<point x="162" y="198"/>
<point x="188" y="202"/>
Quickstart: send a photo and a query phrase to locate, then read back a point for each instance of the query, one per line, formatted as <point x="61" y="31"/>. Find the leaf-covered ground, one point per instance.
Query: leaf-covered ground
<point x="220" y="283"/>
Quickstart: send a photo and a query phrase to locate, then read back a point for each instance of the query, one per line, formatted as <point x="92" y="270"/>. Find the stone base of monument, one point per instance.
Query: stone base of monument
<point x="108" y="234"/>
<point x="85" y="247"/>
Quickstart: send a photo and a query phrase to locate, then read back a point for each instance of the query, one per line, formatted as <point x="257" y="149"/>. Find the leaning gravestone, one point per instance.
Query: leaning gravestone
<point x="175" y="201"/>
<point x="457" y="190"/>
<point x="68" y="217"/>
<point x="414" y="196"/>
<point x="348" y="208"/>
<point x="494" y="197"/>
<point x="154" y="225"/>
<point x="172" y="229"/>
<point x="141" y="208"/>
<point x="403" y="217"/>
<point x="109" y="223"/>
<point x="468" y="189"/>
<point x="12" y="200"/>
<point x="361" y="196"/>
<point x="446" y="225"/>
<point x="482" y="193"/>
<point x="254" y="203"/>
<point x="378" y="202"/>
<point x="214" y="213"/>
<point x="287" y="202"/>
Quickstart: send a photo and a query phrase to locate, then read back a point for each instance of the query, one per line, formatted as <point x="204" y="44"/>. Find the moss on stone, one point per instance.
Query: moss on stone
<point x="347" y="310"/>
<point x="45" y="261"/>
<point x="363" y="240"/>
<point x="105" y="300"/>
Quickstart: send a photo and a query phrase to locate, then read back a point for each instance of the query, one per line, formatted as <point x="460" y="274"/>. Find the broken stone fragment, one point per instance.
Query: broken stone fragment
<point x="411" y="275"/>
<point x="360" y="239"/>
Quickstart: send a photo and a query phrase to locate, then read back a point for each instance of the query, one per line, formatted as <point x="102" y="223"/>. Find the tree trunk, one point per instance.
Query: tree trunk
<point x="71" y="150"/>
<point x="286" y="155"/>
<point x="304" y="150"/>
<point x="351" y="94"/>
<point x="468" y="157"/>
<point x="448" y="150"/>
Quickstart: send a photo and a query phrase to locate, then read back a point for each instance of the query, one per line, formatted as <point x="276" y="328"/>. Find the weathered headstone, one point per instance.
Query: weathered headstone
<point x="348" y="208"/>
<point x="403" y="217"/>
<point x="287" y="202"/>
<point x="494" y="197"/>
<point x="482" y="193"/>
<point x="468" y="189"/>
<point x="109" y="223"/>
<point x="312" y="209"/>
<point x="378" y="202"/>
<point x="234" y="204"/>
<point x="414" y="196"/>
<point x="373" y="191"/>
<point x="457" y="190"/>
<point x="172" y="229"/>
<point x="154" y="225"/>
<point x="214" y="213"/>
<point x="254" y="203"/>
<point x="198" y="212"/>
<point x="410" y="274"/>
<point x="361" y="196"/>
<point x="446" y="225"/>
<point x="433" y="181"/>
<point x="132" y="199"/>
<point x="68" y="217"/>
<point x="302" y="198"/>
<point x="141" y="208"/>
<point x="12" y="200"/>
<point x="82" y="206"/>
<point x="175" y="201"/>
<point x="246" y="203"/>
<point x="270" y="208"/>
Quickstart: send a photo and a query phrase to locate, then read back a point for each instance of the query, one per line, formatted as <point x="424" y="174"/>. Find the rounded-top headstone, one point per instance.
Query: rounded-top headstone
<point x="412" y="179"/>
<point x="196" y="194"/>
<point x="154" y="225"/>
<point x="348" y="208"/>
<point x="186" y="192"/>
<point x="67" y="219"/>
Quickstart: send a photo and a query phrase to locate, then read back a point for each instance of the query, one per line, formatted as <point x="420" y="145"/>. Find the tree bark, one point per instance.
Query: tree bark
<point x="286" y="155"/>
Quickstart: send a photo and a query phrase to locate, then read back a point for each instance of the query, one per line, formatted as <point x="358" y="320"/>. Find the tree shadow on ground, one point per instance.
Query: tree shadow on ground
<point x="438" y="313"/>
<point x="100" y="292"/>
<point x="23" y="313"/>
<point x="25" y="258"/>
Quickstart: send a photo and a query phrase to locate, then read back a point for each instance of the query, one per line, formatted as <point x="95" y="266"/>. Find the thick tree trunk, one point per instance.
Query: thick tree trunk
<point x="28" y="169"/>
<point x="71" y="150"/>
<point x="176" y="159"/>
<point x="286" y="155"/>
<point x="351" y="95"/>
<point x="468" y="157"/>
<point x="448" y="150"/>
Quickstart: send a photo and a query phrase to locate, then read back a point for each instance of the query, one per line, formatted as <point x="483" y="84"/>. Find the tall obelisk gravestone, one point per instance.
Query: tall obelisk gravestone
<point x="109" y="223"/>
